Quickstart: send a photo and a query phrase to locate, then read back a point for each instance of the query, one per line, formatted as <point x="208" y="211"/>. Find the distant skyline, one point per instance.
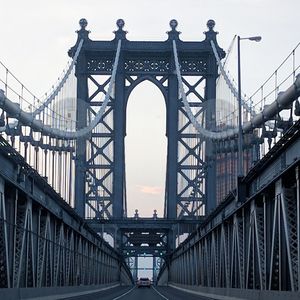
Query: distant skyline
<point x="36" y="35"/>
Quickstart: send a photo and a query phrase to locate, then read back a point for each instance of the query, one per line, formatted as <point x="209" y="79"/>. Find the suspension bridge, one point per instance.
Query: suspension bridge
<point x="231" y="222"/>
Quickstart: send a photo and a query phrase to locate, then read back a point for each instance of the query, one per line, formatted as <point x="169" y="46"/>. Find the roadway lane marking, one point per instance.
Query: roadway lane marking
<point x="159" y="293"/>
<point x="206" y="295"/>
<point x="76" y="294"/>
<point x="124" y="294"/>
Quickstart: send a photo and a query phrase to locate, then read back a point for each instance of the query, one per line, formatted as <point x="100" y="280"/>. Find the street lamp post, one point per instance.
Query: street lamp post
<point x="240" y="137"/>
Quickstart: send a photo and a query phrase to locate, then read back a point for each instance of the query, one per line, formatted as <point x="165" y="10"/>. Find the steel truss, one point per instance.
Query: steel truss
<point x="42" y="242"/>
<point x="256" y="248"/>
<point x="253" y="244"/>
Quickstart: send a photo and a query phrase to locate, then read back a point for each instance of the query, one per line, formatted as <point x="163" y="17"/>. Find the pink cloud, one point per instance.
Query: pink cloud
<point x="152" y="190"/>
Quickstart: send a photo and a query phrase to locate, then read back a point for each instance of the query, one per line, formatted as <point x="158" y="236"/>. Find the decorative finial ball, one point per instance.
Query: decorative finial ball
<point x="173" y="24"/>
<point x="83" y="23"/>
<point x="211" y="24"/>
<point x="120" y="23"/>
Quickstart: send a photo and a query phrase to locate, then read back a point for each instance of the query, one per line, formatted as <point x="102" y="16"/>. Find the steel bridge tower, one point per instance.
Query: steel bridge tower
<point x="100" y="159"/>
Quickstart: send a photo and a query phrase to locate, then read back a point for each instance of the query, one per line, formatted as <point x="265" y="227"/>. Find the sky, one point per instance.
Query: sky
<point x="36" y="35"/>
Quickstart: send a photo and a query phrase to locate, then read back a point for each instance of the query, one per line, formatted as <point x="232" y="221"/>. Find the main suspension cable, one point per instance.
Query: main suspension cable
<point x="61" y="83"/>
<point x="27" y="119"/>
<point x="281" y="102"/>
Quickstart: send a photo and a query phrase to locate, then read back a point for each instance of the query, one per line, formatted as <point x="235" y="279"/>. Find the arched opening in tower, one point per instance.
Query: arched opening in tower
<point x="145" y="151"/>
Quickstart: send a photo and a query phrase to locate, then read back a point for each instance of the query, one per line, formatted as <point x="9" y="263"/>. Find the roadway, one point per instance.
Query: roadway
<point x="134" y="293"/>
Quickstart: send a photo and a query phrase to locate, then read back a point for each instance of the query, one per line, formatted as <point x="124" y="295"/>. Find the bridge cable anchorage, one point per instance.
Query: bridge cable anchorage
<point x="28" y="119"/>
<point x="282" y="101"/>
<point x="54" y="93"/>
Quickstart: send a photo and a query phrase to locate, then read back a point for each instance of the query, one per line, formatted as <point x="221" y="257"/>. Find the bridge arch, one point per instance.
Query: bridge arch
<point x="144" y="78"/>
<point x="145" y="178"/>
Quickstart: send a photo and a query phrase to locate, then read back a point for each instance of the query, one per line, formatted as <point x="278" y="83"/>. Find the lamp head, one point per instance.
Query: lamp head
<point x="255" y="38"/>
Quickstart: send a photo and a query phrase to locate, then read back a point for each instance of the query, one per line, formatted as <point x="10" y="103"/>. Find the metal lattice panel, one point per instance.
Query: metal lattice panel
<point x="99" y="160"/>
<point x="191" y="149"/>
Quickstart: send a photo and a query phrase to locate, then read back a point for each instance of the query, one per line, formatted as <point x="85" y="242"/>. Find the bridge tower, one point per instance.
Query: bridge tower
<point x="100" y="159"/>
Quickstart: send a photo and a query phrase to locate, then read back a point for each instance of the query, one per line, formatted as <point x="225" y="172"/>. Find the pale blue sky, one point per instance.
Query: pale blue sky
<point x="35" y="36"/>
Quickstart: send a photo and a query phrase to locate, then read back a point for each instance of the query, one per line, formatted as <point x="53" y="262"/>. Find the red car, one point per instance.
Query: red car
<point x="142" y="282"/>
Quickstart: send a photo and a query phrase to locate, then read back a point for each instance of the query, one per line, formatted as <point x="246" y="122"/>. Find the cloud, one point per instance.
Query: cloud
<point x="152" y="190"/>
